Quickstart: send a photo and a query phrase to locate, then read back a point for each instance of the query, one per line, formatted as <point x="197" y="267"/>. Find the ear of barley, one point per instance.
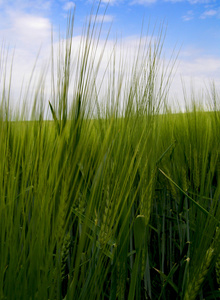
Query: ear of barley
<point x="195" y="284"/>
<point x="217" y="270"/>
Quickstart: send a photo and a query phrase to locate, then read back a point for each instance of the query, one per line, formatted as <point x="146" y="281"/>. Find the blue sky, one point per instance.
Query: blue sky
<point x="192" y="25"/>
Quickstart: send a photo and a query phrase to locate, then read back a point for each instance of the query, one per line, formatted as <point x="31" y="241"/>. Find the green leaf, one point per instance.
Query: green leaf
<point x="139" y="231"/>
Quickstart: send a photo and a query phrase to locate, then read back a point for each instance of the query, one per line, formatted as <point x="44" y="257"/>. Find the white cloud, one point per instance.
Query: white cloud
<point x="193" y="66"/>
<point x="209" y="13"/>
<point x="26" y="33"/>
<point x="24" y="22"/>
<point x="195" y="71"/>
<point x="189" y="16"/>
<point x="27" y="29"/>
<point x="68" y="5"/>
<point x="204" y="66"/>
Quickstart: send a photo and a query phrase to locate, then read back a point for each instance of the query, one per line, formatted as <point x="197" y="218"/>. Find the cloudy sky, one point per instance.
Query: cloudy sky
<point x="193" y="26"/>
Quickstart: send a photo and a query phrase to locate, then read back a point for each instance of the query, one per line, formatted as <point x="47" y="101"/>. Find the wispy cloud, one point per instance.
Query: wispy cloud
<point x="200" y="1"/>
<point x="191" y="1"/>
<point x="147" y="2"/>
<point x="110" y="2"/>
<point x="68" y="5"/>
<point x="28" y="4"/>
<point x="209" y="13"/>
<point x="143" y="2"/>
<point x="189" y="16"/>
<point x="174" y="1"/>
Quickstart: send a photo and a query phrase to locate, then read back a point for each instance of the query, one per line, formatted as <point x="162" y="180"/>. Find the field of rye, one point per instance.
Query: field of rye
<point x="113" y="199"/>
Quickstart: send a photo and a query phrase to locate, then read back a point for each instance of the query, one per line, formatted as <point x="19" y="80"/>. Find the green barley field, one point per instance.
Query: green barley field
<point x="117" y="198"/>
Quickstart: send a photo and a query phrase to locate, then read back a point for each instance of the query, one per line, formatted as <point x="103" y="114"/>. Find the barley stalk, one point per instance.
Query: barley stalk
<point x="106" y="221"/>
<point x="185" y="184"/>
<point x="146" y="199"/>
<point x="121" y="272"/>
<point x="196" y="173"/>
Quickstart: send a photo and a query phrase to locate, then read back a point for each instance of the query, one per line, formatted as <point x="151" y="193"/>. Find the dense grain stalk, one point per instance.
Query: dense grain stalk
<point x="110" y="199"/>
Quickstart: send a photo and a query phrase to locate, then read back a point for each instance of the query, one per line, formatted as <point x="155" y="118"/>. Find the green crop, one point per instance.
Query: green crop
<point x="108" y="199"/>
